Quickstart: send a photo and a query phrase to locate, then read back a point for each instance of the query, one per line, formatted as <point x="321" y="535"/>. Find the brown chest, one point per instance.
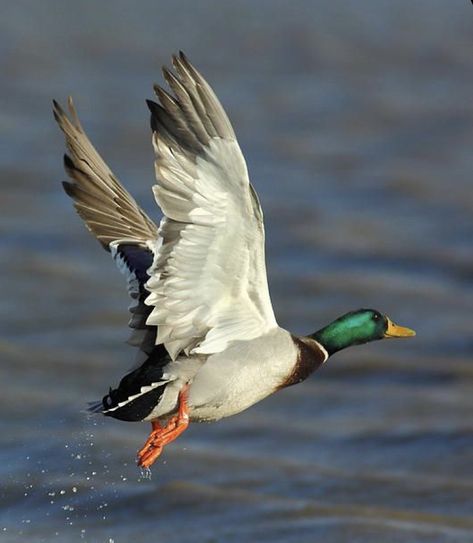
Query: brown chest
<point x="311" y="356"/>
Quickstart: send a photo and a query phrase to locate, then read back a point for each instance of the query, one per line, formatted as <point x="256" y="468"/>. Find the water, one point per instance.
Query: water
<point x="356" y="120"/>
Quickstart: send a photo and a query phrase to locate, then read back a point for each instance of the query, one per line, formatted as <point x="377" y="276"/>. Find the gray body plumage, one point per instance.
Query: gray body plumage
<point x="226" y="383"/>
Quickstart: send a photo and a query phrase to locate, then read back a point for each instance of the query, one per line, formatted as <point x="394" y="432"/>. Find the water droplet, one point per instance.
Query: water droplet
<point x="145" y="473"/>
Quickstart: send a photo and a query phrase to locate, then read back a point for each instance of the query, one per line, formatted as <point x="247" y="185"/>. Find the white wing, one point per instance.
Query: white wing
<point x="208" y="283"/>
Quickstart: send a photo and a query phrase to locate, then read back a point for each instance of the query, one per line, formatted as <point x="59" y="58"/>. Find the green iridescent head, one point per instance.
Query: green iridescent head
<point x="358" y="327"/>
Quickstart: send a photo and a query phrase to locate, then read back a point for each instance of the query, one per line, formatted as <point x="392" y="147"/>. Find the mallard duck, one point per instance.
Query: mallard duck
<point x="208" y="344"/>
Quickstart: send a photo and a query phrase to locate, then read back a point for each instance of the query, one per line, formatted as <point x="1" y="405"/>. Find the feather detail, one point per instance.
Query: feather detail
<point x="208" y="283"/>
<point x="108" y="210"/>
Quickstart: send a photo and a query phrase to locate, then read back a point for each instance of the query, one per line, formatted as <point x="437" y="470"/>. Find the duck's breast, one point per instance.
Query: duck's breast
<point x="243" y="374"/>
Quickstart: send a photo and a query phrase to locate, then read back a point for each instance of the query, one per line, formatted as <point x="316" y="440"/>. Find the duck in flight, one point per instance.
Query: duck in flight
<point x="208" y="344"/>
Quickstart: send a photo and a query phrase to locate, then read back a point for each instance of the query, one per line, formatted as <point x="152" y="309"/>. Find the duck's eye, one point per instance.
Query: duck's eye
<point x="376" y="317"/>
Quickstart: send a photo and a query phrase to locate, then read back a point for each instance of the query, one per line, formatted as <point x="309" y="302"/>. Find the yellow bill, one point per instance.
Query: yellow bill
<point x="394" y="330"/>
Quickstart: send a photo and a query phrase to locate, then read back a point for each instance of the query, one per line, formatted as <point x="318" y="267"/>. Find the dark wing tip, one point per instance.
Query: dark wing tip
<point x="68" y="188"/>
<point x="154" y="109"/>
<point x="58" y="112"/>
<point x="68" y="163"/>
<point x="152" y="106"/>
<point x="63" y="119"/>
<point x="186" y="62"/>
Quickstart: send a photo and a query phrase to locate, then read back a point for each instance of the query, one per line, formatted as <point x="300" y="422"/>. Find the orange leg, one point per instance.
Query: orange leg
<point x="160" y="436"/>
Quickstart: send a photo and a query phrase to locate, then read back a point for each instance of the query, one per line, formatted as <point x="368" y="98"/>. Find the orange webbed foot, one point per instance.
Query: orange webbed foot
<point x="161" y="436"/>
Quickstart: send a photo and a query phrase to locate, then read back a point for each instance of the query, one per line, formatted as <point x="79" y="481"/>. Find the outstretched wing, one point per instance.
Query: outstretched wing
<point x="108" y="210"/>
<point x="208" y="283"/>
<point x="113" y="216"/>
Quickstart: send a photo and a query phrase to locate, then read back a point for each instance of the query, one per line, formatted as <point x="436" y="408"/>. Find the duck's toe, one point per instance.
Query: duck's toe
<point x="160" y="437"/>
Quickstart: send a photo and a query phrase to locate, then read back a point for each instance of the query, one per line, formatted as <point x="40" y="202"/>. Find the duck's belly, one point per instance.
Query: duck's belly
<point x="241" y="376"/>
